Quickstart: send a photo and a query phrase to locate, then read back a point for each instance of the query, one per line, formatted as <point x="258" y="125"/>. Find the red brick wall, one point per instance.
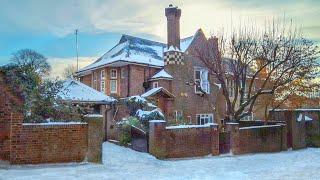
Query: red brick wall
<point x="183" y="142"/>
<point x="298" y="131"/>
<point x="137" y="75"/>
<point x="255" y="139"/>
<point x="21" y="144"/>
<point x="7" y="114"/>
<point x="51" y="144"/>
<point x="87" y="79"/>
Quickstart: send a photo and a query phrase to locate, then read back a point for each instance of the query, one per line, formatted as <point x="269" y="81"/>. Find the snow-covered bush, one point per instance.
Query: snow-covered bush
<point x="146" y="116"/>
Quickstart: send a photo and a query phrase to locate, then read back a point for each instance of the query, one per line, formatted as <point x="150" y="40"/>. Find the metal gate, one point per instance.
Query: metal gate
<point x="224" y="142"/>
<point x="139" y="140"/>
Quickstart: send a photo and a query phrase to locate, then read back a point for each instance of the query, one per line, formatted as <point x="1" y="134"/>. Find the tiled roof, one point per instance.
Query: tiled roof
<point x="132" y="49"/>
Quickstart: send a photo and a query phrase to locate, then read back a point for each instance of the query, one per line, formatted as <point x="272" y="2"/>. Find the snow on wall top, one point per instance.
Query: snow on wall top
<point x="162" y="74"/>
<point x="191" y="126"/>
<point x="132" y="49"/>
<point x="74" y="90"/>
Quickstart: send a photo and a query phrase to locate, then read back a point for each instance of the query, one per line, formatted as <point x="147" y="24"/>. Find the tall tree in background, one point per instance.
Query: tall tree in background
<point x="69" y="71"/>
<point x="28" y="71"/>
<point x="272" y="65"/>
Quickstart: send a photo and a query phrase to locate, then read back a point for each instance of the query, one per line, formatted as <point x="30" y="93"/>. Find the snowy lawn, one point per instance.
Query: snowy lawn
<point x="124" y="163"/>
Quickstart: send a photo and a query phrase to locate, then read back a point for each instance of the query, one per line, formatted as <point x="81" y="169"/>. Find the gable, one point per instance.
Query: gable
<point x="198" y="40"/>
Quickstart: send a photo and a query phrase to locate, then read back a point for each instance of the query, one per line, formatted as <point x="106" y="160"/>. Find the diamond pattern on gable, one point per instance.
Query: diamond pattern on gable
<point x="173" y="57"/>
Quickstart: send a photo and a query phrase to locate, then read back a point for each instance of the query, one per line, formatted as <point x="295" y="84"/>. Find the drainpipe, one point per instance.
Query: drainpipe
<point x="128" y="89"/>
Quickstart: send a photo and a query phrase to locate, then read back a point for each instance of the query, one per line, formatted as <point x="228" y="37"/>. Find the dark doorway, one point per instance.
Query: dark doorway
<point x="224" y="142"/>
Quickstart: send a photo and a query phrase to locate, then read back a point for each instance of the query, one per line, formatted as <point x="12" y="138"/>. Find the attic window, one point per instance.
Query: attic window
<point x="155" y="84"/>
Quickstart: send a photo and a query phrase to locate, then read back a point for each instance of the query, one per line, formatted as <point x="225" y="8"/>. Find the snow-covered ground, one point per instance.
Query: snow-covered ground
<point x="124" y="163"/>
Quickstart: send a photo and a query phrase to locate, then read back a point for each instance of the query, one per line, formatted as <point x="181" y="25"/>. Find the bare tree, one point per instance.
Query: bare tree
<point x="69" y="71"/>
<point x="259" y="65"/>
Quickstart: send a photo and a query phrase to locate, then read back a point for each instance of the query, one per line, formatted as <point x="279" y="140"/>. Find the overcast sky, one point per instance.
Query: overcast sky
<point x="48" y="26"/>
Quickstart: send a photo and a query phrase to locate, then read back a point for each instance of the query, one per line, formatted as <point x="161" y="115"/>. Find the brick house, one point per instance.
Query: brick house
<point x="168" y="73"/>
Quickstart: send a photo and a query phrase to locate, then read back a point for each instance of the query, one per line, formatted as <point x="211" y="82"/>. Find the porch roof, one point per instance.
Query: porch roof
<point x="157" y="90"/>
<point x="77" y="92"/>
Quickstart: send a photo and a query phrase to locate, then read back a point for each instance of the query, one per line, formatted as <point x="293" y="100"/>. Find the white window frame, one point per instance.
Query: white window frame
<point x="201" y="81"/>
<point x="116" y="73"/>
<point x="155" y="84"/>
<point x="203" y="117"/>
<point x="249" y="117"/>
<point x="116" y="85"/>
<point x="103" y="86"/>
<point x="102" y="75"/>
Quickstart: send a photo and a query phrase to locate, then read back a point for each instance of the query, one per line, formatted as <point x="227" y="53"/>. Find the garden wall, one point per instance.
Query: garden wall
<point x="303" y="126"/>
<point x="51" y="143"/>
<point x="183" y="141"/>
<point x="268" y="138"/>
<point x="7" y="114"/>
<point x="45" y="143"/>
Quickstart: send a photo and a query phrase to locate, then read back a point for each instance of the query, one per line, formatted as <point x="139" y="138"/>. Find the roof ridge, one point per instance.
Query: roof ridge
<point x="144" y="39"/>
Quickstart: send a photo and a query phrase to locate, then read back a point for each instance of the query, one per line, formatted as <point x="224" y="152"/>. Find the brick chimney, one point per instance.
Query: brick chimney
<point x="173" y="26"/>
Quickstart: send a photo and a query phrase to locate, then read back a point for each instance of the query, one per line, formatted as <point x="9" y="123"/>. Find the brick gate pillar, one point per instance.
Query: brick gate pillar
<point x="233" y="129"/>
<point x="96" y="134"/>
<point x="157" y="138"/>
<point x="214" y="139"/>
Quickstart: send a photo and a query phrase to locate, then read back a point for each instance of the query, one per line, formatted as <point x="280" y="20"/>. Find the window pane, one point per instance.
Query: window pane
<point x="113" y="73"/>
<point x="102" y="74"/>
<point x="197" y="74"/>
<point x="198" y="119"/>
<point x="113" y="86"/>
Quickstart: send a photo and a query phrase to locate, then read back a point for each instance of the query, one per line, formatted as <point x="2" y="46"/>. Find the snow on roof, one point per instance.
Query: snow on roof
<point x="137" y="50"/>
<point x="155" y="91"/>
<point x="162" y="74"/>
<point x="74" y="90"/>
<point x="185" y="43"/>
<point x="137" y="99"/>
<point x="172" y="48"/>
<point x="306" y="118"/>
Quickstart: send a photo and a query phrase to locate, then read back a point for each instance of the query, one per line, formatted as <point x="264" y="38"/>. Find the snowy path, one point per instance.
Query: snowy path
<point x="124" y="163"/>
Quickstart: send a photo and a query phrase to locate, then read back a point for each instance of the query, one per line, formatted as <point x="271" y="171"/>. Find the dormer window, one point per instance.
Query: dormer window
<point x="155" y="84"/>
<point x="201" y="81"/>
